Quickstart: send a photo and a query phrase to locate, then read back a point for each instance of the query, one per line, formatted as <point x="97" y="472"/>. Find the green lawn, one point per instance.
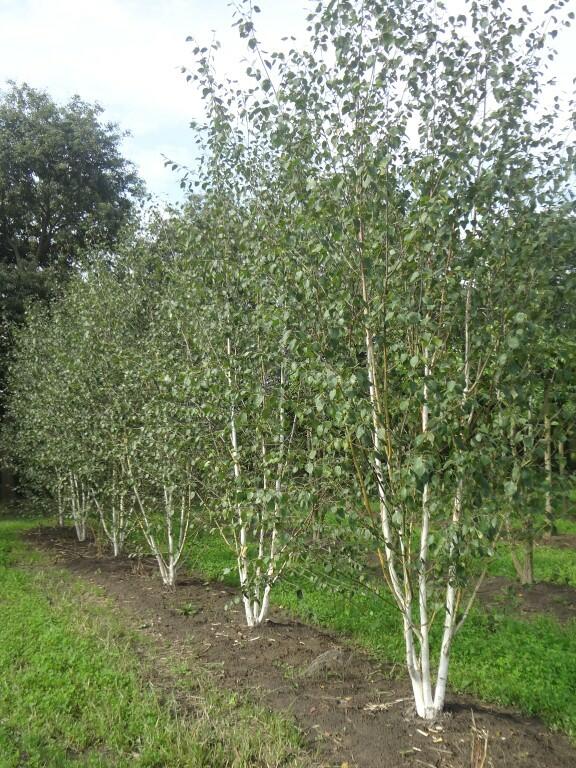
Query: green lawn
<point x="552" y="564"/>
<point x="73" y="692"/>
<point x="566" y="525"/>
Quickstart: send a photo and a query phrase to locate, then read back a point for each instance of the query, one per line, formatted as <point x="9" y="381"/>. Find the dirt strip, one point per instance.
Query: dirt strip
<point x="353" y="709"/>
<point x="557" y="601"/>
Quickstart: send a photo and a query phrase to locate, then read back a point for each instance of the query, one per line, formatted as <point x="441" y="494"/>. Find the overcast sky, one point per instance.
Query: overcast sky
<point x="127" y="55"/>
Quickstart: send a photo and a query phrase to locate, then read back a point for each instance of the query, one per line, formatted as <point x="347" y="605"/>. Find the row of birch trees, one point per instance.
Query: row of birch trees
<point x="357" y="336"/>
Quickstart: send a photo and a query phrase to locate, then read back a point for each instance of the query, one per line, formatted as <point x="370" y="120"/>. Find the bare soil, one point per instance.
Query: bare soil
<point x="562" y="541"/>
<point x="540" y="599"/>
<point x="354" y="711"/>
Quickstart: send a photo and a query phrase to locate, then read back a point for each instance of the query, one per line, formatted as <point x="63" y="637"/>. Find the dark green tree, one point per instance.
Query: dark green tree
<point x="64" y="187"/>
<point x="64" y="184"/>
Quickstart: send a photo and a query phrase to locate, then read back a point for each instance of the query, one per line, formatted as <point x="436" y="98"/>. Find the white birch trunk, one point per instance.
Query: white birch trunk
<point x="168" y="558"/>
<point x="79" y="506"/>
<point x="426" y="703"/>
<point x="256" y="591"/>
<point x="401" y="588"/>
<point x="242" y="550"/>
<point x="429" y="695"/>
<point x="449" y="618"/>
<point x="272" y="560"/>
<point x="60" y="502"/>
<point x="548" y="512"/>
<point x="118" y="527"/>
<point x="452" y="591"/>
<point x="561" y="473"/>
<point x="250" y="596"/>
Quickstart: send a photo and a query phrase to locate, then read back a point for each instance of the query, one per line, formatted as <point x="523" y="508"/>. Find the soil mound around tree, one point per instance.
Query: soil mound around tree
<point x="354" y="711"/>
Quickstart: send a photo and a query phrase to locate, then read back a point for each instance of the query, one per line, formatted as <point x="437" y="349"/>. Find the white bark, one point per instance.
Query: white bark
<point x="449" y="615"/>
<point x="562" y="471"/>
<point x="60" y="501"/>
<point x="377" y="452"/>
<point x="119" y="525"/>
<point x="549" y="512"/>
<point x="418" y="665"/>
<point x="452" y="591"/>
<point x="242" y="549"/>
<point x="169" y="557"/>
<point x="426" y="685"/>
<point x="256" y="586"/>
<point x="79" y="506"/>
<point x="429" y="697"/>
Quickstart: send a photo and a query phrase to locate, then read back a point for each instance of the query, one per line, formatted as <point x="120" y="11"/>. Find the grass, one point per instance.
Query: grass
<point x="73" y="690"/>
<point x="551" y="564"/>
<point x="530" y="665"/>
<point x="105" y="709"/>
<point x="566" y="526"/>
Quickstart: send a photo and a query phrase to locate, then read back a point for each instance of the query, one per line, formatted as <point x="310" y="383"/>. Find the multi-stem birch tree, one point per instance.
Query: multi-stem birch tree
<point x="253" y="390"/>
<point x="51" y="417"/>
<point x="163" y="459"/>
<point x="113" y="327"/>
<point x="430" y="150"/>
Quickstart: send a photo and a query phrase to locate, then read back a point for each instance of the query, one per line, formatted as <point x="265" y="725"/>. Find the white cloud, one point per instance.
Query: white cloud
<point x="127" y="55"/>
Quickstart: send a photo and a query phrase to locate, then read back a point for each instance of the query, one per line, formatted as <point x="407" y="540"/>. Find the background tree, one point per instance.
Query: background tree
<point x="64" y="188"/>
<point x="538" y="392"/>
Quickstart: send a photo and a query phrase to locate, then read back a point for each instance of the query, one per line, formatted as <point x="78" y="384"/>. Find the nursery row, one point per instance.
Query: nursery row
<point x="356" y="338"/>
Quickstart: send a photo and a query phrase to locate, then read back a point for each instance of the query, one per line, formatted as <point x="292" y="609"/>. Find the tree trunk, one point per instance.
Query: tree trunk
<point x="562" y="474"/>
<point x="79" y="509"/>
<point x="527" y="571"/>
<point x="550" y="522"/>
<point x="60" y="506"/>
<point x="524" y="565"/>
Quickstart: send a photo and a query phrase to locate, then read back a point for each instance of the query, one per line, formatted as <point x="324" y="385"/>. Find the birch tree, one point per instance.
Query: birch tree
<point x="114" y="327"/>
<point x="162" y="459"/>
<point x="429" y="148"/>
<point x="50" y="414"/>
<point x="253" y="389"/>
